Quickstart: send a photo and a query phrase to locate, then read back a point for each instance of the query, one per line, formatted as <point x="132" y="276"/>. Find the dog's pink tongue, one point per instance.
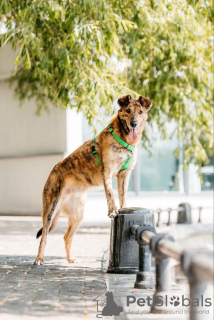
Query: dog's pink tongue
<point x="133" y="134"/>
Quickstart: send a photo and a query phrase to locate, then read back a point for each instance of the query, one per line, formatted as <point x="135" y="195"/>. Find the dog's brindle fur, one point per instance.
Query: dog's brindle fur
<point x="66" y="188"/>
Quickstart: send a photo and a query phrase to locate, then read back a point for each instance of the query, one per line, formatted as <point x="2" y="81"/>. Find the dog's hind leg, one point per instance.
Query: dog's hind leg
<point x="75" y="214"/>
<point x="54" y="221"/>
<point x="72" y="228"/>
<point x="48" y="218"/>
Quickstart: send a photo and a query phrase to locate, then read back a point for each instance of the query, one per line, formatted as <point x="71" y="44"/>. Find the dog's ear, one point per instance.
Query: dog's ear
<point x="145" y="102"/>
<point x="124" y="101"/>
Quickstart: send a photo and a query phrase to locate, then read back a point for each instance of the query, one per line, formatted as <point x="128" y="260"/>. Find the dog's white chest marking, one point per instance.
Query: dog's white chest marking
<point x="123" y="157"/>
<point x="117" y="163"/>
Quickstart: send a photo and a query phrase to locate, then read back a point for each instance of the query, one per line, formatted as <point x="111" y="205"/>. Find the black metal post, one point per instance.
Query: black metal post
<point x="197" y="289"/>
<point x="199" y="214"/>
<point x="197" y="285"/>
<point x="169" y="216"/>
<point x="159" y="213"/>
<point x="145" y="277"/>
<point x="184" y="213"/>
<point x="123" y="255"/>
<point x="163" y="284"/>
<point x="163" y="274"/>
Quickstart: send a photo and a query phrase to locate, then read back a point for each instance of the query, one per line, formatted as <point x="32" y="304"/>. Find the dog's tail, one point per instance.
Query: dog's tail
<point x="39" y="233"/>
<point x="52" y="227"/>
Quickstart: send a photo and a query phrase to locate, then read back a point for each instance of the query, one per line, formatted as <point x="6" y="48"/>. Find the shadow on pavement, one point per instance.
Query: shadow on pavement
<point x="51" y="289"/>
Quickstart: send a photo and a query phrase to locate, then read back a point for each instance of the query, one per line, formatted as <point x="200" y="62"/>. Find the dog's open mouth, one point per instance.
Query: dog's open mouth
<point x="133" y="134"/>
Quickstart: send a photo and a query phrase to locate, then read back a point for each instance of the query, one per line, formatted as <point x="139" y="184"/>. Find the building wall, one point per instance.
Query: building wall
<point x="22" y="182"/>
<point x="30" y="146"/>
<point x="22" y="133"/>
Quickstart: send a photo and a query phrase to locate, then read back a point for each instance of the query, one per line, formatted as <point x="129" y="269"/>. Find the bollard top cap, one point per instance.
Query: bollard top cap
<point x="133" y="210"/>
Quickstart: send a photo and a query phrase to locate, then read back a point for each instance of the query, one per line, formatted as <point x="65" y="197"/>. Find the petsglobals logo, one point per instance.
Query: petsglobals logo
<point x="167" y="304"/>
<point x="174" y="301"/>
<point x="106" y="305"/>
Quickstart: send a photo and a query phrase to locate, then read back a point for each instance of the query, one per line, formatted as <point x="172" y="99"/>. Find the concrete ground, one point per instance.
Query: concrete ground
<point x="58" y="290"/>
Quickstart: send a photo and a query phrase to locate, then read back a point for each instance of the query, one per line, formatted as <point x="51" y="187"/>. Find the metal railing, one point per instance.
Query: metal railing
<point x="197" y="266"/>
<point x="201" y="264"/>
<point x="184" y="214"/>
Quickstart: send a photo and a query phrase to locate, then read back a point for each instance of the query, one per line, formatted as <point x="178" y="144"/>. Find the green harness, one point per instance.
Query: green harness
<point x="120" y="141"/>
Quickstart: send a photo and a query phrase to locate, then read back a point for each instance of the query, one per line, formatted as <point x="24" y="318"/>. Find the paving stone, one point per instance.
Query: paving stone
<point x="58" y="290"/>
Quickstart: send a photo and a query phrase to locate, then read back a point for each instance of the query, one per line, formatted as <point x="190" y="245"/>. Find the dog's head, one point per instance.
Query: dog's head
<point x="133" y="114"/>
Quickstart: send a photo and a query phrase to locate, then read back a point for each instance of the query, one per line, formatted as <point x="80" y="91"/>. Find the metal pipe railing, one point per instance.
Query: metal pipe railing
<point x="201" y="264"/>
<point x="184" y="211"/>
<point x="196" y="265"/>
<point x="166" y="247"/>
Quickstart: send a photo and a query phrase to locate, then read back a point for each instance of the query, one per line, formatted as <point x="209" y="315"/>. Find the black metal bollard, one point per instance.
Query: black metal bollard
<point x="169" y="216"/>
<point x="197" y="286"/>
<point x="145" y="276"/>
<point x="163" y="274"/>
<point x="124" y="251"/>
<point x="199" y="214"/>
<point x="159" y="215"/>
<point x="184" y="213"/>
<point x="197" y="289"/>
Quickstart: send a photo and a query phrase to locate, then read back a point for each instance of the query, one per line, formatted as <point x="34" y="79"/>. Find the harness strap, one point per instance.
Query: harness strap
<point x="123" y="143"/>
<point x="95" y="152"/>
<point x="120" y="141"/>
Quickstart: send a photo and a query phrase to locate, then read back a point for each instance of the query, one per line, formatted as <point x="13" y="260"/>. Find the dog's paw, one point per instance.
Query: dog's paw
<point x="38" y="262"/>
<point x="72" y="260"/>
<point x="112" y="214"/>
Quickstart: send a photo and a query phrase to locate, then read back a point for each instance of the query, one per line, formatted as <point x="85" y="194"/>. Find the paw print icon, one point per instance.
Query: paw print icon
<point x="174" y="301"/>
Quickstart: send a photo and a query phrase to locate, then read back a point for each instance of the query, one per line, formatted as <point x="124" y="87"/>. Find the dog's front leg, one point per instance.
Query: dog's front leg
<point x="107" y="181"/>
<point x="122" y="186"/>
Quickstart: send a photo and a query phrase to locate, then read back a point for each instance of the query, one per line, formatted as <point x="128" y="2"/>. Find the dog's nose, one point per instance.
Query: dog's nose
<point x="133" y="124"/>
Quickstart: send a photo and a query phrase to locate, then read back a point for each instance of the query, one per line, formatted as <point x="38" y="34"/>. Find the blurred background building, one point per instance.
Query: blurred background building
<point x="30" y="146"/>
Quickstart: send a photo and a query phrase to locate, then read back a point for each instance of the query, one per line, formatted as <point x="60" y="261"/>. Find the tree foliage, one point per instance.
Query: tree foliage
<point x="87" y="53"/>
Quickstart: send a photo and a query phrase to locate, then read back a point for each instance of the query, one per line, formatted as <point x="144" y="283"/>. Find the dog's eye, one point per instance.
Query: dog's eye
<point x="140" y="112"/>
<point x="128" y="110"/>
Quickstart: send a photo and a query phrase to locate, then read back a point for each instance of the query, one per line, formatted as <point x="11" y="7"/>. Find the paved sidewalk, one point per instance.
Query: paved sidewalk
<point x="58" y="290"/>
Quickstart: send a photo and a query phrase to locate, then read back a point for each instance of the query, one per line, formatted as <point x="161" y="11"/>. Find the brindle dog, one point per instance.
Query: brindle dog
<point x="66" y="188"/>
